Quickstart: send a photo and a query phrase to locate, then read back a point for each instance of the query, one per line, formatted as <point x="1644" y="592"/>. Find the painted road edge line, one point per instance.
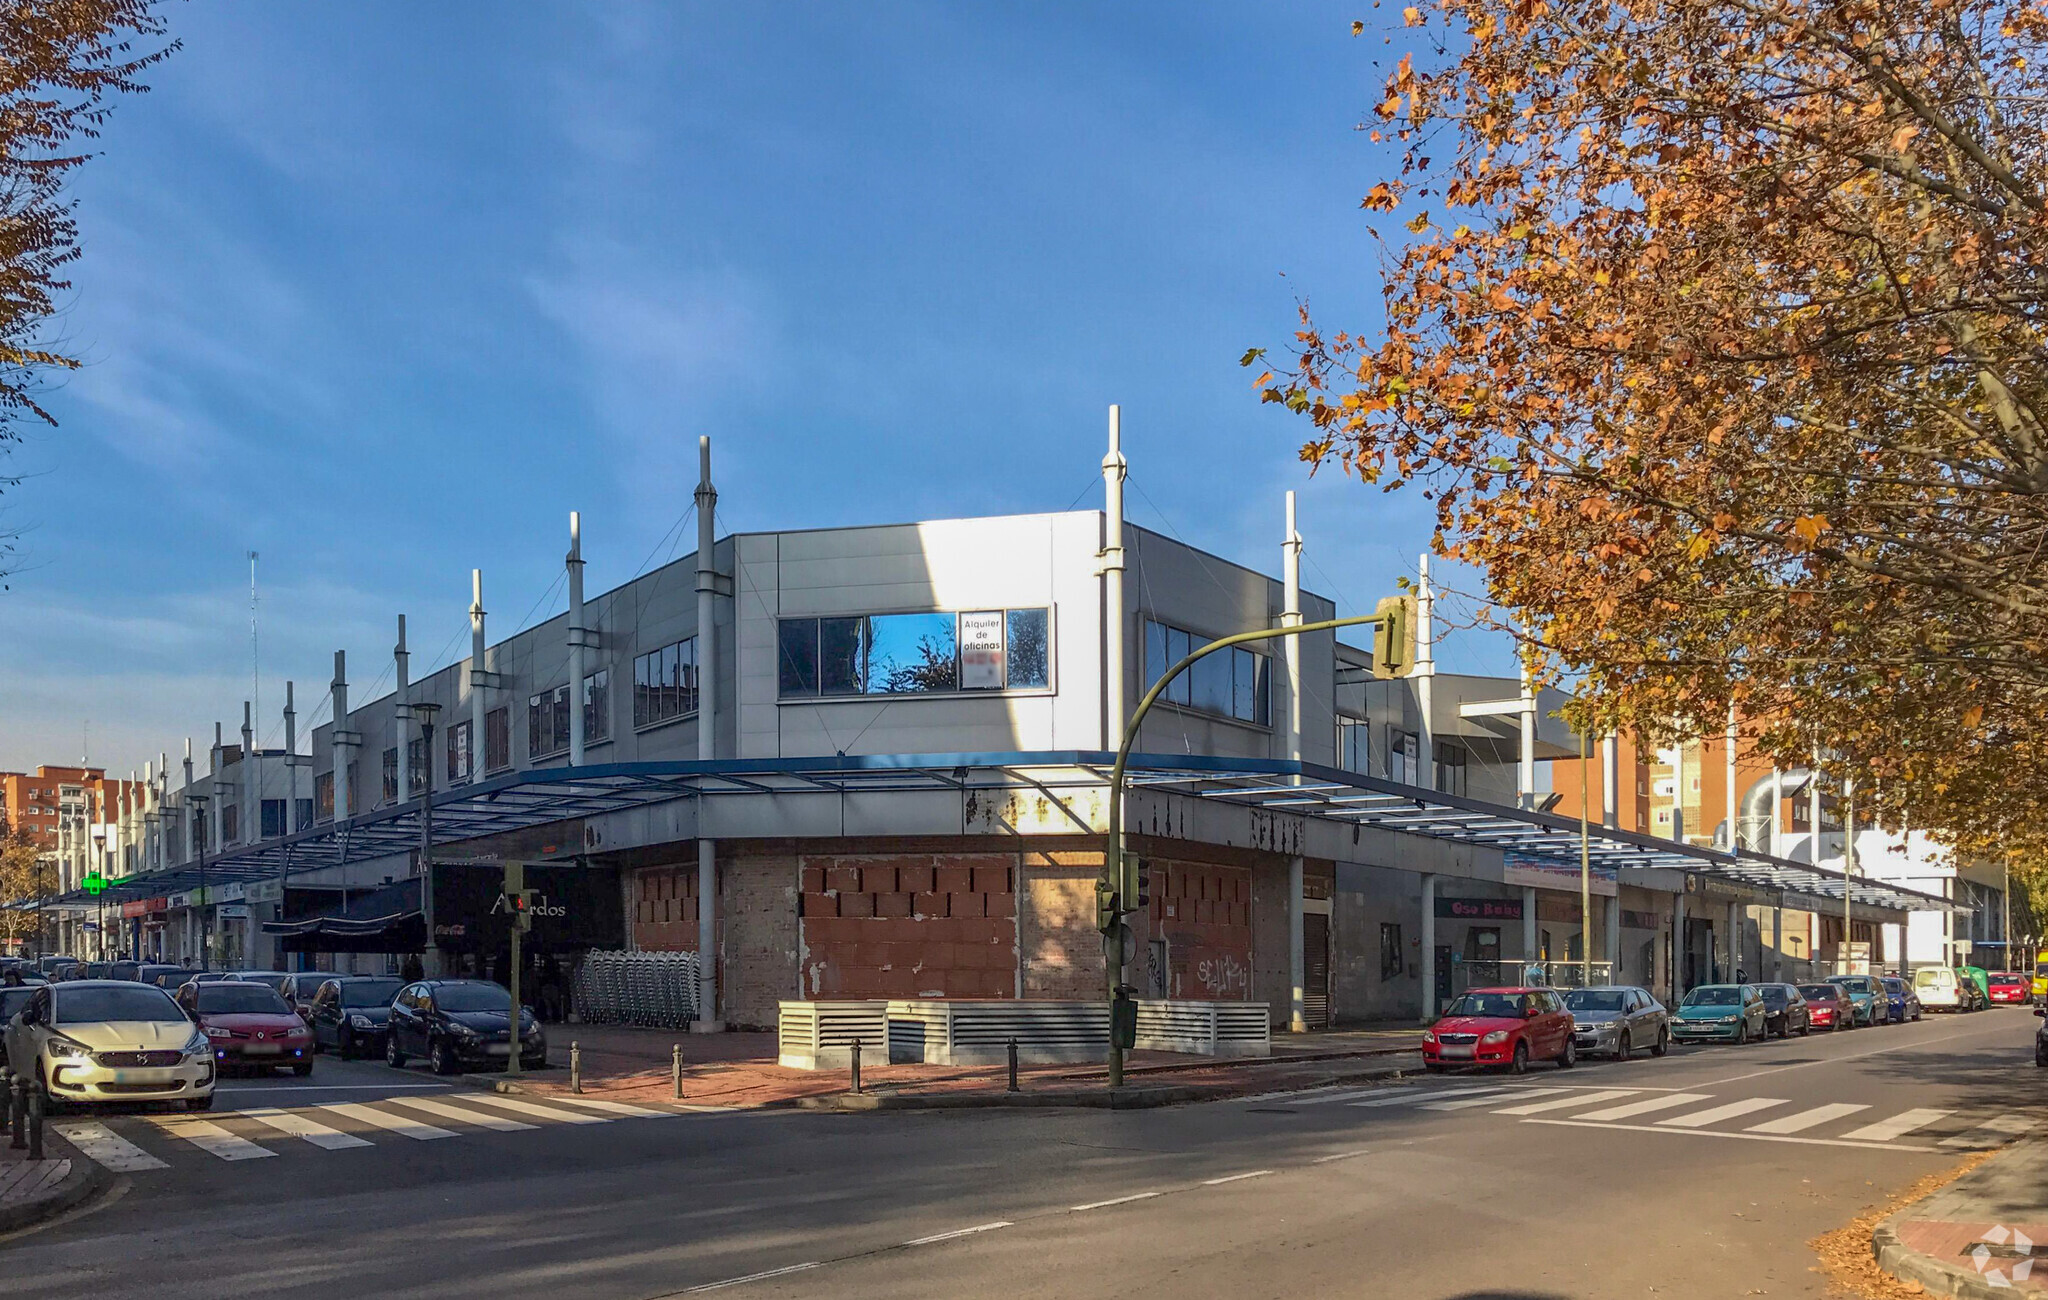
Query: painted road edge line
<point x="959" y="1232"/>
<point x="1114" y="1200"/>
<point x="1746" y="1137"/>
<point x="1341" y="1155"/>
<point x="1235" y="1178"/>
<point x="751" y="1277"/>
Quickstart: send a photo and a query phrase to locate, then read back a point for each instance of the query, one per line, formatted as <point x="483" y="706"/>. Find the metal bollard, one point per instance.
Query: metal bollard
<point x="675" y="1070"/>
<point x="856" y="1066"/>
<point x="35" y="1124"/>
<point x="1013" y="1065"/>
<point x="575" y="1066"/>
<point x="17" y="1109"/>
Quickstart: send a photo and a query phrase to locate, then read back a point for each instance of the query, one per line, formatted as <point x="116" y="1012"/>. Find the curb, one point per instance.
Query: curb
<point x="1899" y="1260"/>
<point x="1095" y="1099"/>
<point x="88" y="1178"/>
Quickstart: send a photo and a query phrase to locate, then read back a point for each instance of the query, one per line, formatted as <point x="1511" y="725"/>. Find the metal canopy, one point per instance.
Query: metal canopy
<point x="538" y="796"/>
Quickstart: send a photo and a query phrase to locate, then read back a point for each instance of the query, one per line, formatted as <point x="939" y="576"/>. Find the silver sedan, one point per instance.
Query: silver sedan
<point x="1616" y="1019"/>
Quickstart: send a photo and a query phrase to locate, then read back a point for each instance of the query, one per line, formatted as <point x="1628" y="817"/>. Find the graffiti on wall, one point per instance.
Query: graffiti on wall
<point x="1223" y="976"/>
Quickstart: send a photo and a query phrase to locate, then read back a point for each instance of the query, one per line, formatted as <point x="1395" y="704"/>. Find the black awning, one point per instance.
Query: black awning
<point x="383" y="920"/>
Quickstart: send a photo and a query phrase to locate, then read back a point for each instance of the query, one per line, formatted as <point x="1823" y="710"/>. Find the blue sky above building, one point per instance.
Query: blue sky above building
<point x="384" y="292"/>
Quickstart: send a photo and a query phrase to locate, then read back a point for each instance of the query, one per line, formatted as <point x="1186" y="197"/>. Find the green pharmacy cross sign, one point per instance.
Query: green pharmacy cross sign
<point x="94" y="883"/>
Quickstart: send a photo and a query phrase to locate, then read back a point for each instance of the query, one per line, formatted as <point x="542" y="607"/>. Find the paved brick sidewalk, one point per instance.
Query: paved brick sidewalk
<point x="33" y="1190"/>
<point x="739" y="1069"/>
<point x="1984" y="1234"/>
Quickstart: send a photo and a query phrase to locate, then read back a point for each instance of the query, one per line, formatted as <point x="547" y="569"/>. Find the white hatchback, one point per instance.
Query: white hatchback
<point x="110" y="1040"/>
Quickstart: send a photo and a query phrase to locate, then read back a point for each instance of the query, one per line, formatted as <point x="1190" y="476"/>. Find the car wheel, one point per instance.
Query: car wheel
<point x="1742" y="1034"/>
<point x="199" y="1103"/>
<point x="1520" y="1063"/>
<point x="1806" y="1029"/>
<point x="441" y="1057"/>
<point x="392" y="1056"/>
<point x="345" y="1045"/>
<point x="1569" y="1056"/>
<point x="1622" y="1047"/>
<point x="1663" y="1043"/>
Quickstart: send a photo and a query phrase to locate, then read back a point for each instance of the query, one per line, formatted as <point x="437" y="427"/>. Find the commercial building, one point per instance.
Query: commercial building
<point x="874" y="761"/>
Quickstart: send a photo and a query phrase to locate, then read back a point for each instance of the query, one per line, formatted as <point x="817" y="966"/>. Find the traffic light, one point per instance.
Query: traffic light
<point x="1106" y="917"/>
<point x="519" y="906"/>
<point x="1144" y="873"/>
<point x="1393" y="638"/>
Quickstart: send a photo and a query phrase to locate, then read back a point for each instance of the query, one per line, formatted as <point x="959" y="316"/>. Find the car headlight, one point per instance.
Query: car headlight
<point x="219" y="1031"/>
<point x="68" y="1048"/>
<point x="197" y="1043"/>
<point x="1498" y="1036"/>
<point x="360" y="1022"/>
<point x="1729" y="1020"/>
<point x="1429" y="1035"/>
<point x="460" y="1030"/>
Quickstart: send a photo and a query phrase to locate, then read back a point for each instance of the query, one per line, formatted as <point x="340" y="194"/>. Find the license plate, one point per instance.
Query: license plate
<point x="262" y="1049"/>
<point x="499" y="1049"/>
<point x="1464" y="1053"/>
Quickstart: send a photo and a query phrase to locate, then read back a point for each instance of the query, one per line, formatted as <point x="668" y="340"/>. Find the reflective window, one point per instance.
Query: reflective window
<point x="915" y="654"/>
<point x="664" y="687"/>
<point x="1233" y="683"/>
<point x="597" y="706"/>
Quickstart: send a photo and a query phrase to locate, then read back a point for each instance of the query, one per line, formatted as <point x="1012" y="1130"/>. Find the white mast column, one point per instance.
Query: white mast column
<point x="1290" y="616"/>
<point x="579" y="638"/>
<point x="707" y="742"/>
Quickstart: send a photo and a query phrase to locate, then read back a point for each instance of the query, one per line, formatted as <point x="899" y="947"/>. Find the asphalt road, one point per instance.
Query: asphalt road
<point x="1701" y="1174"/>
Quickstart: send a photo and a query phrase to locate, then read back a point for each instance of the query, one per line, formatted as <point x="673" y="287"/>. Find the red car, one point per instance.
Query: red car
<point x="2008" y="986"/>
<point x="1506" y="1027"/>
<point x="1827" y="1006"/>
<point x="249" y="1025"/>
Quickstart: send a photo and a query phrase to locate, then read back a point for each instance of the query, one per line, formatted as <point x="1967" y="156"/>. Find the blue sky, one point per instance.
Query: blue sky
<point x="383" y="291"/>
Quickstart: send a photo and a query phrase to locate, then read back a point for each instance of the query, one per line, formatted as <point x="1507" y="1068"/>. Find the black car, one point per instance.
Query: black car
<point x="457" y="1023"/>
<point x="351" y="1013"/>
<point x="123" y="970"/>
<point x="1785" y="1011"/>
<point x="2041" y="1037"/>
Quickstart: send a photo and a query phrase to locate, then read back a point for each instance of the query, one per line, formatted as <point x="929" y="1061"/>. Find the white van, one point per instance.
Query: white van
<point x="1938" y="988"/>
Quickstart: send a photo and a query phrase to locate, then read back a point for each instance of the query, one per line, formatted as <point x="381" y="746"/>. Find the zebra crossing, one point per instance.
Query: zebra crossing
<point x="143" y="1143"/>
<point x="1705" y="1114"/>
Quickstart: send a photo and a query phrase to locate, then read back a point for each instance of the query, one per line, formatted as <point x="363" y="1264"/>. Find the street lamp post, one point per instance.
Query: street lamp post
<point x="198" y="803"/>
<point x="424" y="712"/>
<point x="1115" y="887"/>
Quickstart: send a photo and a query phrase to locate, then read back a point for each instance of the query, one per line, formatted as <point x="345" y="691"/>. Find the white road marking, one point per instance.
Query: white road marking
<point x="1346" y="1094"/>
<point x="1427" y="1094"/>
<point x="1341" y="1155"/>
<point x="751" y="1277"/>
<point x="1746" y="1137"/>
<point x="299" y="1126"/>
<point x="1714" y="1115"/>
<point x="1114" y="1200"/>
<point x="1991" y="1130"/>
<point x="1563" y="1103"/>
<point x="1469" y="1103"/>
<point x="392" y="1123"/>
<point x="539" y="1112"/>
<point x="339" y="1087"/>
<point x="959" y="1232"/>
<point x="1897" y="1126"/>
<point x="99" y="1143"/>
<point x="480" y="1118"/>
<point x="1644" y="1107"/>
<point x="1235" y="1178"/>
<point x="617" y="1108"/>
<point x="1807" y="1119"/>
<point x="212" y="1139"/>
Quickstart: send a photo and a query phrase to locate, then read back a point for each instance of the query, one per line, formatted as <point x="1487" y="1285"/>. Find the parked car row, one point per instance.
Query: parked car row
<point x="1514" y="1027"/>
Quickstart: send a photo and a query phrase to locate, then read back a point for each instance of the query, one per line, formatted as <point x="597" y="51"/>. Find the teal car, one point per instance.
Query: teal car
<point x="1866" y="996"/>
<point x="1733" y="1013"/>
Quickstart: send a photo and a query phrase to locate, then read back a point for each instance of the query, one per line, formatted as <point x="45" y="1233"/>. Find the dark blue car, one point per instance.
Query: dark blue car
<point x="1900" y="1000"/>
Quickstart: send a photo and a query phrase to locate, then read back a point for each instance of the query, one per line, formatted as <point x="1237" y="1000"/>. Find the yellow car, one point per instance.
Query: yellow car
<point x="2040" y="983"/>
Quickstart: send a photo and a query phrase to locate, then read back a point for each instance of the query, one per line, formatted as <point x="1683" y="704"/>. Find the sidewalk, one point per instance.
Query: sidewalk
<point x="740" y="1070"/>
<point x="31" y="1191"/>
<point x="1984" y="1235"/>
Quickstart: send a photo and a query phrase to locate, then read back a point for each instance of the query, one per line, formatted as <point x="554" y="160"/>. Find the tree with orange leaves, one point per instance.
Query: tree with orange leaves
<point x="59" y="61"/>
<point x="1719" y="344"/>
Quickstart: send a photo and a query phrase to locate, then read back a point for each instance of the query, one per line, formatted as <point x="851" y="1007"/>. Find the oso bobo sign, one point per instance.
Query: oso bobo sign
<point x="571" y="907"/>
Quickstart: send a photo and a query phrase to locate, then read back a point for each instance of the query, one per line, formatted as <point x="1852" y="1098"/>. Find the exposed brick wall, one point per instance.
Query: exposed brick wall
<point x="665" y="908"/>
<point x="758" y="938"/>
<point x="909" y="925"/>
<point x="1062" y="951"/>
<point x="1204" y="912"/>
